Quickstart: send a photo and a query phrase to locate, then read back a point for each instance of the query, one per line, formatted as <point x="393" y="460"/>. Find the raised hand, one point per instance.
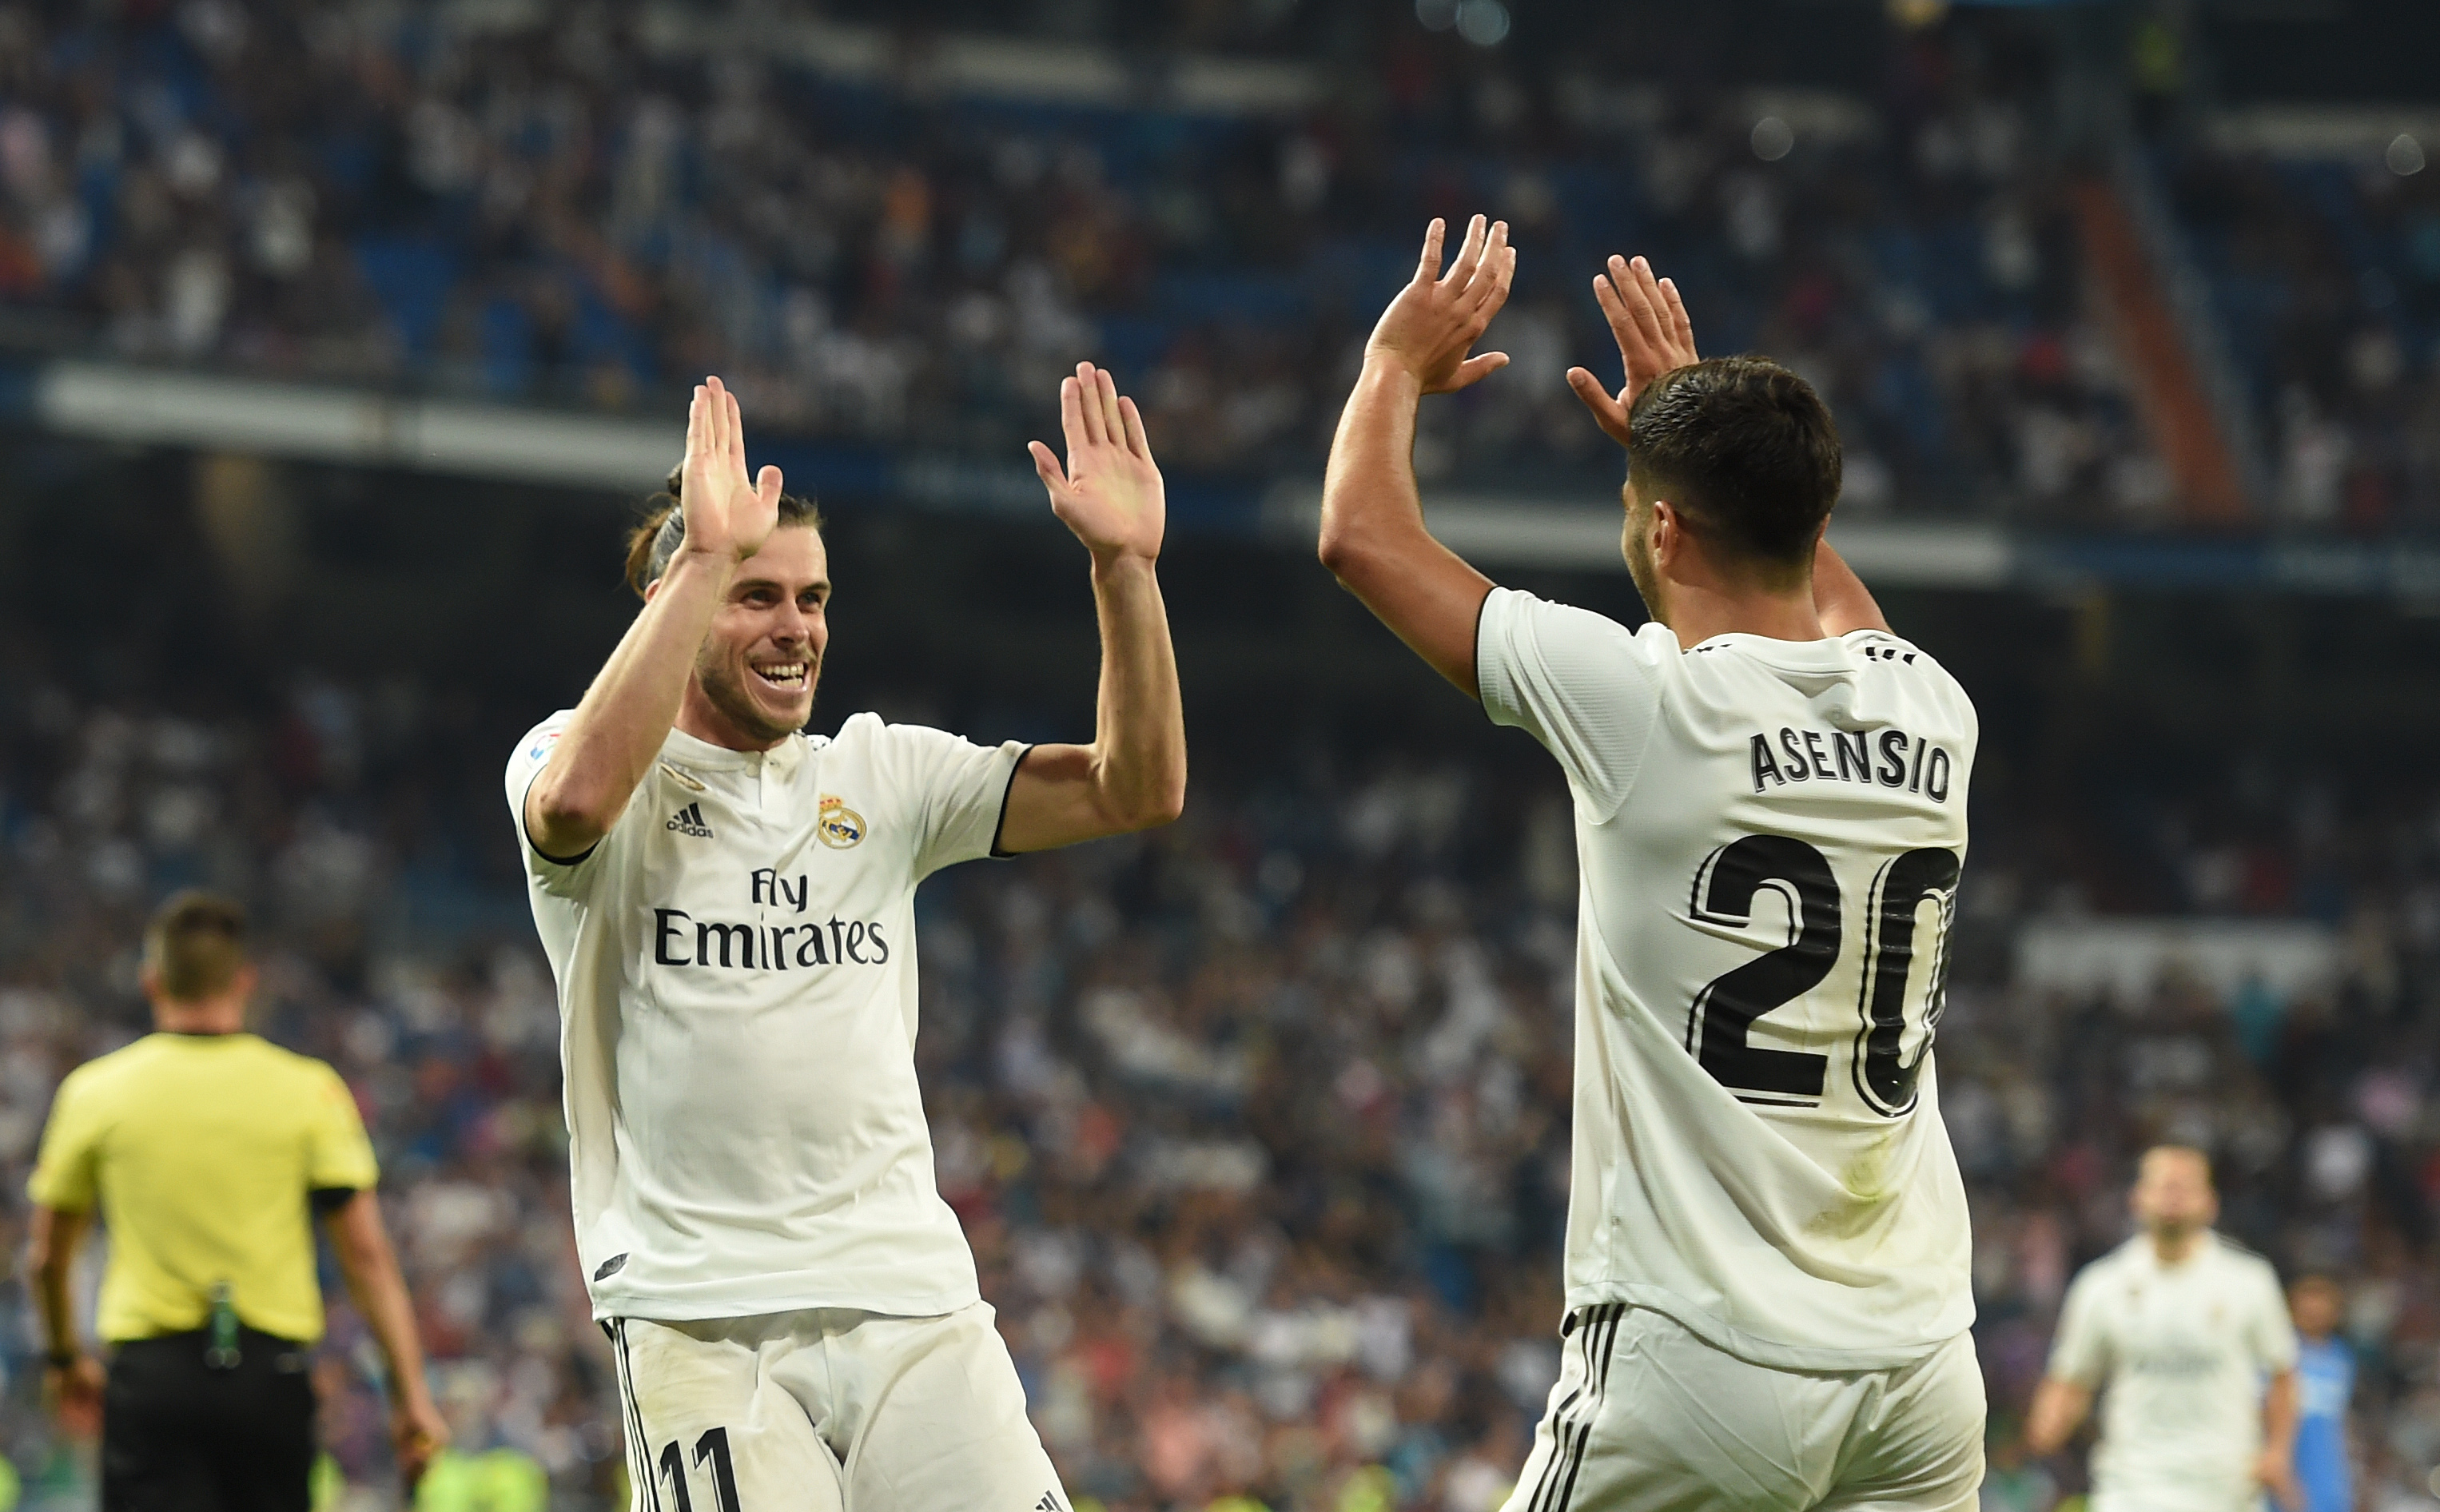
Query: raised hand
<point x="1653" y="337"/>
<point x="1110" y="492"/>
<point x="1436" y="318"/>
<point x="727" y="516"/>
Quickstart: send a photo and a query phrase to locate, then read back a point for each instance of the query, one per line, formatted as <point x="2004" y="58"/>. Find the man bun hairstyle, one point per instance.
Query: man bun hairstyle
<point x="657" y="538"/>
<point x="195" y="946"/>
<point x="1746" y="450"/>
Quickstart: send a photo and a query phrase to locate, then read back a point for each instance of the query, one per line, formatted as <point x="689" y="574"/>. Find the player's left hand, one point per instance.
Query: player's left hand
<point x="2277" y="1474"/>
<point x="1437" y="317"/>
<point x="1110" y="492"/>
<point x="1654" y="335"/>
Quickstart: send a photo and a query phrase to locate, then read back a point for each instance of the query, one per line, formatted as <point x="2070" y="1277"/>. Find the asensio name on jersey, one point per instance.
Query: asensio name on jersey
<point x="737" y="988"/>
<point x="1770" y="835"/>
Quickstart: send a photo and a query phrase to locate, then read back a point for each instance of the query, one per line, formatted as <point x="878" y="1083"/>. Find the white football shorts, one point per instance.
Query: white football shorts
<point x="1648" y="1418"/>
<point x="829" y="1411"/>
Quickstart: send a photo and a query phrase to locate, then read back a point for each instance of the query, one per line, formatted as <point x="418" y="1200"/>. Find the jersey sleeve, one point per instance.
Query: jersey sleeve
<point x="67" y="1167"/>
<point x="954" y="790"/>
<point x="1580" y="683"/>
<point x="562" y="875"/>
<point x="2080" y="1354"/>
<point x="338" y="1153"/>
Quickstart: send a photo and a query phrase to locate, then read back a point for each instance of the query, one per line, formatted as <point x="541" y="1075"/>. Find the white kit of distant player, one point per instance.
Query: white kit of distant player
<point x="2185" y="1336"/>
<point x="728" y="904"/>
<point x="1768" y="1248"/>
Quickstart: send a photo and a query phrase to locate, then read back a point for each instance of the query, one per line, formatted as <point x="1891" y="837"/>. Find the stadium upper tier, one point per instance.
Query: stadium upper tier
<point x="591" y="214"/>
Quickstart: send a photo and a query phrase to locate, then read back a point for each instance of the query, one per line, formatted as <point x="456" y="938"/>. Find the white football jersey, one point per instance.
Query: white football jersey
<point x="1768" y="835"/>
<point x="736" y="969"/>
<point x="2180" y="1355"/>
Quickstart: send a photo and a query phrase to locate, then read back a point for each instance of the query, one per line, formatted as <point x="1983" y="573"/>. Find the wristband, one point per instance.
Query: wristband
<point x="62" y="1359"/>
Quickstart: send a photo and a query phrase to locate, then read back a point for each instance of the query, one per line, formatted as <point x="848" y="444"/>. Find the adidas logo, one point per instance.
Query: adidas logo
<point x="1049" y="1503"/>
<point x="689" y="821"/>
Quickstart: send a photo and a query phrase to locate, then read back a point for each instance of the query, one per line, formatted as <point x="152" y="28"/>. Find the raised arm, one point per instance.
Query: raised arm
<point x="1373" y="534"/>
<point x="1655" y="335"/>
<point x="625" y="716"/>
<point x="1134" y="774"/>
<point x="361" y="1244"/>
<point x="1840" y="597"/>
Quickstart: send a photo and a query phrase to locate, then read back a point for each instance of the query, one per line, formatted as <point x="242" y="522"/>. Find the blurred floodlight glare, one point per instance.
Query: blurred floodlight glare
<point x="1437" y="15"/>
<point x="2405" y="155"/>
<point x="1482" y="22"/>
<point x="1773" y="138"/>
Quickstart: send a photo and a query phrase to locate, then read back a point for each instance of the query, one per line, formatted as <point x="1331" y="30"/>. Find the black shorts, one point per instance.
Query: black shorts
<point x="178" y="1436"/>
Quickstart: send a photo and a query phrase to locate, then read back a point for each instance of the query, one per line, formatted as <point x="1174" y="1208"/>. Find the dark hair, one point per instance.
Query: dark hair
<point x="1745" y="449"/>
<point x="656" y="539"/>
<point x="195" y="946"/>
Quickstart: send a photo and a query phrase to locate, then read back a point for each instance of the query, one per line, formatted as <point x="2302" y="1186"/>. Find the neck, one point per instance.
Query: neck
<point x="2173" y="1245"/>
<point x="212" y="1016"/>
<point x="700" y="717"/>
<point x="1697" y="611"/>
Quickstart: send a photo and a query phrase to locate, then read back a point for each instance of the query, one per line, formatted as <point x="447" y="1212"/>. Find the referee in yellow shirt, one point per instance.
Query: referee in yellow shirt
<point x="207" y="1151"/>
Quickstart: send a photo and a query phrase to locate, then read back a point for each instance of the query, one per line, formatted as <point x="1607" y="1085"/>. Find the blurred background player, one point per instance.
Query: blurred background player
<point x="2325" y="1383"/>
<point x="729" y="906"/>
<point x="1766" y="1285"/>
<point x="2186" y="1338"/>
<point x="208" y="1153"/>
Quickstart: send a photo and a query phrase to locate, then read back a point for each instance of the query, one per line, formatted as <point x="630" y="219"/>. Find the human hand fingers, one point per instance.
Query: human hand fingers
<point x="736" y="432"/>
<point x="1622" y="328"/>
<point x="1681" y="325"/>
<point x="1137" y="441"/>
<point x="1071" y="415"/>
<point x="1477" y="368"/>
<point x="716" y="414"/>
<point x="768" y="487"/>
<point x="1114" y="425"/>
<point x="1469" y="252"/>
<point x="1497" y="253"/>
<point x="1088" y="404"/>
<point x="1642" y="301"/>
<point x="1608" y="412"/>
<point x="1045" y="465"/>
<point x="1429" y="268"/>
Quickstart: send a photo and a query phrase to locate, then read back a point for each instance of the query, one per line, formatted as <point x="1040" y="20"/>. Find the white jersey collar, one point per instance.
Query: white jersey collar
<point x="682" y="749"/>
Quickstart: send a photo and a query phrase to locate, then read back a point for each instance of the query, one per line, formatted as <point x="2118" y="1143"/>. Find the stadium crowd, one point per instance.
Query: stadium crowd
<point x="581" y="205"/>
<point x="1257" y="1125"/>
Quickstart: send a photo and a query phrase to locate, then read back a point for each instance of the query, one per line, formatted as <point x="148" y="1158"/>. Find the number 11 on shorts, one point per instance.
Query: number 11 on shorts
<point x="713" y="1446"/>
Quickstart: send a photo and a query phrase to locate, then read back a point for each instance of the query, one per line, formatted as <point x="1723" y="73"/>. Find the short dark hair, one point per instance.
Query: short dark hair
<point x="195" y="946"/>
<point x="656" y="538"/>
<point x="1745" y="448"/>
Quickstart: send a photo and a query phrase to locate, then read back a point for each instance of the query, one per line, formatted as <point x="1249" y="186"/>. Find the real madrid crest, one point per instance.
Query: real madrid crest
<point x="839" y="826"/>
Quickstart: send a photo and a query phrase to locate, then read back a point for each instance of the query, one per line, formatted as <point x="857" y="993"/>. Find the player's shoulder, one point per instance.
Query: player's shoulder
<point x="1550" y="620"/>
<point x="2244" y="1259"/>
<point x="533" y="747"/>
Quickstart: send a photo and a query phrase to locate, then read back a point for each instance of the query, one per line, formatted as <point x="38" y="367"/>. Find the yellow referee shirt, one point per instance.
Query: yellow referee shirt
<point x="202" y="1151"/>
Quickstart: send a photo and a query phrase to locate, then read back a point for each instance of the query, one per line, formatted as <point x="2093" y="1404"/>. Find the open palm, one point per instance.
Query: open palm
<point x="728" y="515"/>
<point x="1109" y="493"/>
<point x="1654" y="334"/>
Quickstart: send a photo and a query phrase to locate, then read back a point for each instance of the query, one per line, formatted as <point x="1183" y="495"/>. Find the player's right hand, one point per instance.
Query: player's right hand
<point x="1435" y="319"/>
<point x="1653" y="337"/>
<point x="728" y="515"/>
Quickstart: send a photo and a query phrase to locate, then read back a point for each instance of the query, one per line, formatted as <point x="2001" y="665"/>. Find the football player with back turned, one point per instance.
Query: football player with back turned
<point x="1767" y="1290"/>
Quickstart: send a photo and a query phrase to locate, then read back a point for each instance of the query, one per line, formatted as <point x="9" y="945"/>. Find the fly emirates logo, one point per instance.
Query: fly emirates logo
<point x="680" y="939"/>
